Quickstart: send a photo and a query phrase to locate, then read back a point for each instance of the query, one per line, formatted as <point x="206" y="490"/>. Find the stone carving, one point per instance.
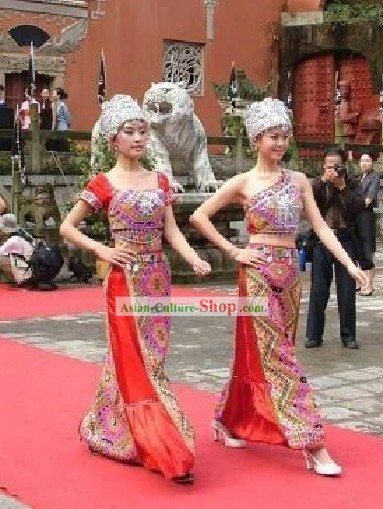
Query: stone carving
<point x="54" y="66"/>
<point x="183" y="62"/>
<point x="348" y="118"/>
<point x="247" y="90"/>
<point x="177" y="132"/>
<point x="39" y="208"/>
<point x="68" y="41"/>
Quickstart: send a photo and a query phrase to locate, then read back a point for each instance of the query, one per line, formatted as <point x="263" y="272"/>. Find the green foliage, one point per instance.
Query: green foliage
<point x="247" y="90"/>
<point x="96" y="224"/>
<point x="292" y="154"/>
<point x="342" y="12"/>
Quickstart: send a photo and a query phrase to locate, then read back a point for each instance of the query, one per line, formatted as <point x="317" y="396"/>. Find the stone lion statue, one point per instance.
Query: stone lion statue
<point x="175" y="132"/>
<point x="40" y="208"/>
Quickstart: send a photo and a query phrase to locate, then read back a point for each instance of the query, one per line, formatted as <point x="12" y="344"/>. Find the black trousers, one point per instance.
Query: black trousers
<point x="365" y="230"/>
<point x="323" y="266"/>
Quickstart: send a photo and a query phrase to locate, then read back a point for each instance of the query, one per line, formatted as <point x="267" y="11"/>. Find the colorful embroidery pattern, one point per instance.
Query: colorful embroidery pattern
<point x="291" y="395"/>
<point x="105" y="428"/>
<point x="274" y="378"/>
<point x="135" y="217"/>
<point x="276" y="209"/>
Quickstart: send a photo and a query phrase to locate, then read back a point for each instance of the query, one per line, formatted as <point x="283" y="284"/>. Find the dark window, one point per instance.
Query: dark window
<point x="23" y="35"/>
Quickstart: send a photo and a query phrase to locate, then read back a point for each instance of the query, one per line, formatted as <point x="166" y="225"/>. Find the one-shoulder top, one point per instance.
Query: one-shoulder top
<point x="135" y="216"/>
<point x="276" y="209"/>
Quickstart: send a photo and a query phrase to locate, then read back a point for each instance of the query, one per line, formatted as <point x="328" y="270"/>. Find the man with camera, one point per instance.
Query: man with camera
<point x="339" y="199"/>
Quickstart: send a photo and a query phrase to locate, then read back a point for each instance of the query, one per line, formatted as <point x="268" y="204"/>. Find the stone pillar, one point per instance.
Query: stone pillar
<point x="17" y="189"/>
<point x="35" y="138"/>
<point x="210" y="11"/>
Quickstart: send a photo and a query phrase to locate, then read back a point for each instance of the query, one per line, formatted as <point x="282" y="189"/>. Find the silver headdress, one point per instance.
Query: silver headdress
<point x="263" y="115"/>
<point x="120" y="109"/>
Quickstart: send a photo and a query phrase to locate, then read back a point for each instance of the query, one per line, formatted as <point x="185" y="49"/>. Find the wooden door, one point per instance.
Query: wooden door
<point x="17" y="82"/>
<point x="313" y="99"/>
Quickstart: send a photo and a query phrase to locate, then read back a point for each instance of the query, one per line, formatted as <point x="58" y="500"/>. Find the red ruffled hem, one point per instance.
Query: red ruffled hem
<point x="159" y="444"/>
<point x="249" y="413"/>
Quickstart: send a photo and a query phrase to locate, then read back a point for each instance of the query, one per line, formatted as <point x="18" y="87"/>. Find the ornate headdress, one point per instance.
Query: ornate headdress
<point x="263" y="115"/>
<point x="120" y="109"/>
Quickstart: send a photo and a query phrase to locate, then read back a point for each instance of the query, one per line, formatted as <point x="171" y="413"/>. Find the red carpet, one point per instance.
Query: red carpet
<point x="43" y="395"/>
<point x="17" y="303"/>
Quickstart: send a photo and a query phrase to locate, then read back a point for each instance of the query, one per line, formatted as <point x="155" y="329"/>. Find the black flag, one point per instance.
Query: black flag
<point x="233" y="86"/>
<point x="102" y="81"/>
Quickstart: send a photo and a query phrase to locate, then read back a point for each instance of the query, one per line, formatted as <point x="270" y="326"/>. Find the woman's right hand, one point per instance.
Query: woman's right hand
<point x="249" y="256"/>
<point x="115" y="255"/>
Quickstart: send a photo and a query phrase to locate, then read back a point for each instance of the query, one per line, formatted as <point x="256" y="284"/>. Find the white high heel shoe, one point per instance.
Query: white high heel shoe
<point x="312" y="463"/>
<point x="222" y="434"/>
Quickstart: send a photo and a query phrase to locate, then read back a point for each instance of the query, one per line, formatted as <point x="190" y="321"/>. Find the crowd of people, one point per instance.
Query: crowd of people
<point x="267" y="398"/>
<point x="52" y="108"/>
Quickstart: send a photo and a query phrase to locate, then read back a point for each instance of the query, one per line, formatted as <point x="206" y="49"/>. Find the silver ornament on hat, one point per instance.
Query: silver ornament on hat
<point x="261" y="116"/>
<point x="116" y="112"/>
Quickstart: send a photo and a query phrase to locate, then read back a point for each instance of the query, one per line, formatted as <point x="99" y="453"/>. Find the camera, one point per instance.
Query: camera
<point x="340" y="170"/>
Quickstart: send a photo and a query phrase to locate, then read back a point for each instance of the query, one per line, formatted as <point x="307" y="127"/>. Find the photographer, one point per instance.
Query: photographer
<point x="339" y="199"/>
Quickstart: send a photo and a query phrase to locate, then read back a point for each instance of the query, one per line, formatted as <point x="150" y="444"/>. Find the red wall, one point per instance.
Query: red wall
<point x="304" y="5"/>
<point x="132" y="33"/>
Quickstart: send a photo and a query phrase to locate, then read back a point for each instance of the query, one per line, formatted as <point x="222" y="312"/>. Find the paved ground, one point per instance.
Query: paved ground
<point x="349" y="383"/>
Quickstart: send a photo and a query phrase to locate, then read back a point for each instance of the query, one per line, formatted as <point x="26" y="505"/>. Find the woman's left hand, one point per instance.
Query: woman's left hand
<point x="357" y="274"/>
<point x="200" y="267"/>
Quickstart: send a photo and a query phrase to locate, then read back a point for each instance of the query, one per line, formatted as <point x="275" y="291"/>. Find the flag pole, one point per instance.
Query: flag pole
<point x="32" y="74"/>
<point x="102" y="80"/>
<point x="104" y="67"/>
<point x="233" y="87"/>
<point x="16" y="158"/>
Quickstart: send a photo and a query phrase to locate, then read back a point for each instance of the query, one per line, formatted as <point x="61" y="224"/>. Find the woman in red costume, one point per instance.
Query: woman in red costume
<point x="268" y="398"/>
<point x="135" y="416"/>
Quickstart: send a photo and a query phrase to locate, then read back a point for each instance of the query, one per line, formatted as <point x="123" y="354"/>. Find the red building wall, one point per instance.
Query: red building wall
<point x="132" y="32"/>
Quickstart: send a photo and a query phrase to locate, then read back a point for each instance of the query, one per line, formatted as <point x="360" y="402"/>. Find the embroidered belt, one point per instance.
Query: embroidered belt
<point x="140" y="237"/>
<point x="139" y="247"/>
<point x="275" y="252"/>
<point x="150" y="256"/>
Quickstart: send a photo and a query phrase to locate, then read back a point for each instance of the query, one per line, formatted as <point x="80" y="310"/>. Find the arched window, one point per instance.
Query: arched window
<point x="23" y="35"/>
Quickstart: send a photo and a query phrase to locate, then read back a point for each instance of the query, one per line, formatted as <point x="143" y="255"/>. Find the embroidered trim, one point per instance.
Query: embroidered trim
<point x="91" y="199"/>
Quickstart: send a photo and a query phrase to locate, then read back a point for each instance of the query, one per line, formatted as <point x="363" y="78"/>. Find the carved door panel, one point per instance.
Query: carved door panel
<point x="362" y="100"/>
<point x="313" y="99"/>
<point x="14" y="89"/>
<point x="16" y="83"/>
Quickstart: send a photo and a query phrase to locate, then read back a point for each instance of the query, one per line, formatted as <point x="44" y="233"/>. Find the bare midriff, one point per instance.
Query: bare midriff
<point x="273" y="239"/>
